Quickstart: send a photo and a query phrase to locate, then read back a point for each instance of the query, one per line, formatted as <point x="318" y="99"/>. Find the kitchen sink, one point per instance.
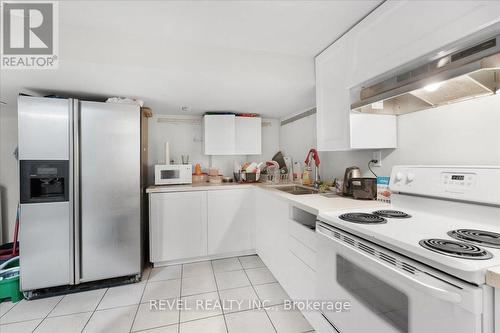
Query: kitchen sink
<point x="297" y="189"/>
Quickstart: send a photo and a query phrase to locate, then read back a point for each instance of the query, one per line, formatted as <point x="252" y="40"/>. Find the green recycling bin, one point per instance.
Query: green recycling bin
<point x="9" y="281"/>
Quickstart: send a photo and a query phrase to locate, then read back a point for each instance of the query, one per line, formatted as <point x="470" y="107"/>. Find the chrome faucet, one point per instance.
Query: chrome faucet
<point x="313" y="155"/>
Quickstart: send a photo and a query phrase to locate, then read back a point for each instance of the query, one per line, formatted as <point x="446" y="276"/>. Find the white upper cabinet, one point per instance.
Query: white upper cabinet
<point x="332" y="97"/>
<point x="396" y="33"/>
<point x="219" y="134"/>
<point x="248" y="135"/>
<point x="337" y="128"/>
<point x="231" y="135"/>
<point x="401" y="31"/>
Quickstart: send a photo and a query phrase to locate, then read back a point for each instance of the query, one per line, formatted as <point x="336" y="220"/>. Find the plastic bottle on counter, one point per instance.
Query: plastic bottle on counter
<point x="297" y="171"/>
<point x="197" y="169"/>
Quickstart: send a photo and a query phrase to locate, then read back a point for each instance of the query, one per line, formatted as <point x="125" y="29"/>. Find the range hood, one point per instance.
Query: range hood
<point x="467" y="73"/>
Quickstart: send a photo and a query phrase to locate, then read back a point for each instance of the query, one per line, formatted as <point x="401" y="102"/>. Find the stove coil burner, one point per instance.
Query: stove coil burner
<point x="455" y="249"/>
<point x="392" y="214"/>
<point x="362" y="218"/>
<point x="481" y="237"/>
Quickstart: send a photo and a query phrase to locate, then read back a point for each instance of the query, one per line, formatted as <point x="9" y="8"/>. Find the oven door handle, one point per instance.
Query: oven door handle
<point x="422" y="283"/>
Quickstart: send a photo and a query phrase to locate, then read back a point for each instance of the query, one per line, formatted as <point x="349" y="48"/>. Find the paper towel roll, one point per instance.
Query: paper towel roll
<point x="167" y="153"/>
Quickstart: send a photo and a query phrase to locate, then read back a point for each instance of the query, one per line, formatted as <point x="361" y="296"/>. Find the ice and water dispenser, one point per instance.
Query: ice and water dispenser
<point x="44" y="181"/>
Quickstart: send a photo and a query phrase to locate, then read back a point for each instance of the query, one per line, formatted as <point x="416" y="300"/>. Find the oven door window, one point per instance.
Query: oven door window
<point x="390" y="304"/>
<point x="170" y="174"/>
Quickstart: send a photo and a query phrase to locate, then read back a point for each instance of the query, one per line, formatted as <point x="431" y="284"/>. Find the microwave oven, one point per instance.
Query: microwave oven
<point x="173" y="174"/>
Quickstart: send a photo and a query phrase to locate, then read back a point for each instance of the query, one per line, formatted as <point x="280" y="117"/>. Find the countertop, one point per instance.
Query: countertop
<point x="313" y="203"/>
<point x="316" y="203"/>
<point x="195" y="187"/>
<point x="493" y="277"/>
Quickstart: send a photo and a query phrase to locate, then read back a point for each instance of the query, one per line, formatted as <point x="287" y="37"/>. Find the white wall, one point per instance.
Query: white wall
<point x="296" y="138"/>
<point x="184" y="134"/>
<point x="270" y="140"/>
<point x="466" y="133"/>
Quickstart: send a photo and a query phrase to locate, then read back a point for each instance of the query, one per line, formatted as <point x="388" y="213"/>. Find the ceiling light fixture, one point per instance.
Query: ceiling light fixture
<point x="433" y="86"/>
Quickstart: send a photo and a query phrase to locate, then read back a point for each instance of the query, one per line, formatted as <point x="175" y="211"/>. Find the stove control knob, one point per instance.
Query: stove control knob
<point x="400" y="177"/>
<point x="410" y="177"/>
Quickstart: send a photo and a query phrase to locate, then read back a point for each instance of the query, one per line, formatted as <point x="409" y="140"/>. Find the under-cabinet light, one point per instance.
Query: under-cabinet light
<point x="433" y="86"/>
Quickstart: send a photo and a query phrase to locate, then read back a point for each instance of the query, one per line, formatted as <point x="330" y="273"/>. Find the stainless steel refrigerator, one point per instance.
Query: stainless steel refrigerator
<point x="79" y="192"/>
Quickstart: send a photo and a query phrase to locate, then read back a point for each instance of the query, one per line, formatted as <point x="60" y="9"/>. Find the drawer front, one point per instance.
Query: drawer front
<point x="302" y="280"/>
<point x="305" y="235"/>
<point x="302" y="252"/>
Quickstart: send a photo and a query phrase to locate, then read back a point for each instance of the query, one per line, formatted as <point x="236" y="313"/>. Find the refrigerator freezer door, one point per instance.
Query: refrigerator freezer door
<point x="109" y="168"/>
<point x="43" y="128"/>
<point x="44" y="240"/>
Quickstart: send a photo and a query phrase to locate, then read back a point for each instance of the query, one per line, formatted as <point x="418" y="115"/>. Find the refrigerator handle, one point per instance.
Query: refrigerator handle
<point x="76" y="191"/>
<point x="71" y="194"/>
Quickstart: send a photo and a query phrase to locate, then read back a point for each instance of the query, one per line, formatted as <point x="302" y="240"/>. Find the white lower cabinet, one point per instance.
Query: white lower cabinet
<point x="194" y="224"/>
<point x="302" y="279"/>
<point x="178" y="225"/>
<point x="286" y="247"/>
<point x="272" y="232"/>
<point x="218" y="223"/>
<point x="231" y="226"/>
<point x="302" y="262"/>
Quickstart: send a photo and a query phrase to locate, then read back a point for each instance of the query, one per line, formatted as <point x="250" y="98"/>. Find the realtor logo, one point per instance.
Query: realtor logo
<point x="29" y="34"/>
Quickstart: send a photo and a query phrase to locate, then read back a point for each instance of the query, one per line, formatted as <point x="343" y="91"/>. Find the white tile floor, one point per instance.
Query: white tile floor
<point x="240" y="280"/>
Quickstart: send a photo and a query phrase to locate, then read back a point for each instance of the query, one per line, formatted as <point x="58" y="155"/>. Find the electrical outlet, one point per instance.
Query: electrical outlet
<point x="377" y="155"/>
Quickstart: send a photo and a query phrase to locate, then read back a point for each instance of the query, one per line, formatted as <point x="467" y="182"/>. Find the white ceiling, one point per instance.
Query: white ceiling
<point x="246" y="56"/>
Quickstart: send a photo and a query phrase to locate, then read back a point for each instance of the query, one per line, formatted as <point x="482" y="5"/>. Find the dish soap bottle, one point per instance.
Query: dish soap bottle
<point x="306" y="177"/>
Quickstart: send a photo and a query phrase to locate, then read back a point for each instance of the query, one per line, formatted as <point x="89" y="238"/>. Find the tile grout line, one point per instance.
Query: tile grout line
<point x="190" y="295"/>
<point x="88" y="320"/>
<point x="149" y="279"/>
<point x="187" y="321"/>
<point x="15" y="304"/>
<point x="146" y="282"/>
<point x="255" y="291"/>
<point x="197" y="319"/>
<point x="218" y="293"/>
<point x="180" y="297"/>
<point x="140" y="299"/>
<point x="200" y="319"/>
<point x="41" y="321"/>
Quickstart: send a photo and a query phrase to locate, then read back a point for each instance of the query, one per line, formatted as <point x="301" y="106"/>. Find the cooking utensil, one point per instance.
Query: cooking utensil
<point x="278" y="157"/>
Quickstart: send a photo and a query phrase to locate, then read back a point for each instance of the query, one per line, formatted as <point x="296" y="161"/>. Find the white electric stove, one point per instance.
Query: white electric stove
<point x="418" y="265"/>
